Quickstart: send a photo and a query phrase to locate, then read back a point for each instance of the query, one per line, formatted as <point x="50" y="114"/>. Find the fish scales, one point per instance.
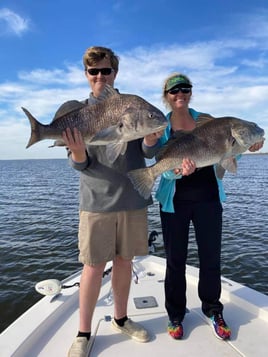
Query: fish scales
<point x="215" y="142"/>
<point x="85" y="119"/>
<point x="113" y="120"/>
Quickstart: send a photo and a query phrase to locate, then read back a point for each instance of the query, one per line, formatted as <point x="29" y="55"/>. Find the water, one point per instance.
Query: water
<point x="39" y="219"/>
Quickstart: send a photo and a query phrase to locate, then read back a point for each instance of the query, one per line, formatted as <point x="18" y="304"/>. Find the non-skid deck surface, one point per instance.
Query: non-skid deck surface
<point x="54" y="335"/>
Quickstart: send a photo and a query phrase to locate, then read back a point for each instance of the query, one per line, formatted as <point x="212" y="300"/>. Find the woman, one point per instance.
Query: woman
<point x="195" y="196"/>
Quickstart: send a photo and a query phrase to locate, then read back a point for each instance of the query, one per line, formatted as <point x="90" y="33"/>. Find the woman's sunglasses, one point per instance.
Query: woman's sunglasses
<point x="179" y="89"/>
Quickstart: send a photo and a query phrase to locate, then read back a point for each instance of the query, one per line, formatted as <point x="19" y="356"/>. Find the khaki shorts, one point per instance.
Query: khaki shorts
<point x="102" y="236"/>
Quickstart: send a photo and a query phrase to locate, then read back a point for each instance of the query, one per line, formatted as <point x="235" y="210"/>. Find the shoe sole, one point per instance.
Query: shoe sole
<point x="175" y="338"/>
<point x="89" y="347"/>
<point x="118" y="329"/>
<point x="215" y="333"/>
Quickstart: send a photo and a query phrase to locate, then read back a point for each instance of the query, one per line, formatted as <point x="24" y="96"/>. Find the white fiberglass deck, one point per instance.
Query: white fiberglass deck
<point x="48" y="328"/>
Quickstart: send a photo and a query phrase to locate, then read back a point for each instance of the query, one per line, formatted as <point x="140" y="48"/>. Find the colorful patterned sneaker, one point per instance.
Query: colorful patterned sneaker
<point x="133" y="330"/>
<point x="220" y="327"/>
<point x="175" y="330"/>
<point x="80" y="347"/>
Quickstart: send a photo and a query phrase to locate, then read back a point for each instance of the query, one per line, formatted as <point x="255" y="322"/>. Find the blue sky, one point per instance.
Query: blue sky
<point x="222" y="45"/>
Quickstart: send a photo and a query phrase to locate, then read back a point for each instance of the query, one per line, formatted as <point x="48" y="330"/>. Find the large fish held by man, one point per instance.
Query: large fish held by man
<point x="213" y="141"/>
<point x="112" y="120"/>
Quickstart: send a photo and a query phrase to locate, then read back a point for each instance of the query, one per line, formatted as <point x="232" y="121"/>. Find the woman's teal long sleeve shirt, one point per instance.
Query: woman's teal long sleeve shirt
<point x="166" y="188"/>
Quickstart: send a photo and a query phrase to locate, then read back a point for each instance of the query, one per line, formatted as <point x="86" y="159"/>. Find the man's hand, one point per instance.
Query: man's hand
<point x="75" y="142"/>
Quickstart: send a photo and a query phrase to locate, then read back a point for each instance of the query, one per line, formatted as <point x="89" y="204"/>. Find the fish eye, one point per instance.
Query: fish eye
<point x="150" y="115"/>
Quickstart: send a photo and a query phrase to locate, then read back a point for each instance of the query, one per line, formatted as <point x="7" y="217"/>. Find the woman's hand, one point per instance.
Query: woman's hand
<point x="256" y="146"/>
<point x="187" y="168"/>
<point x="151" y="139"/>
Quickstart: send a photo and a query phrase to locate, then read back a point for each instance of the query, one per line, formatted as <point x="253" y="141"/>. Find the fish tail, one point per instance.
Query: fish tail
<point x="142" y="180"/>
<point x="35" y="129"/>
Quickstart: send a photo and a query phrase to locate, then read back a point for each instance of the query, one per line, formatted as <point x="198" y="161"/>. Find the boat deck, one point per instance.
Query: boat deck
<point x="48" y="328"/>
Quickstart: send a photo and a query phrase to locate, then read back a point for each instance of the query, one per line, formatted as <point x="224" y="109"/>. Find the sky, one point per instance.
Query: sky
<point x="222" y="45"/>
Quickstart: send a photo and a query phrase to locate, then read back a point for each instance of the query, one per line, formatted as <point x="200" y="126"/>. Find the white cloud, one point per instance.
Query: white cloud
<point x="257" y="25"/>
<point x="69" y="75"/>
<point x="221" y="87"/>
<point x="10" y="22"/>
<point x="14" y="137"/>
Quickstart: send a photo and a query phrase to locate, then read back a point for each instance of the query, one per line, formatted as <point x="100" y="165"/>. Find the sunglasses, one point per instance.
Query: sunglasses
<point x="96" y="71"/>
<point x="179" y="89"/>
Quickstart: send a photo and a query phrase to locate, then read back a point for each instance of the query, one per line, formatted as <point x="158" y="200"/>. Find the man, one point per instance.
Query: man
<point x="113" y="216"/>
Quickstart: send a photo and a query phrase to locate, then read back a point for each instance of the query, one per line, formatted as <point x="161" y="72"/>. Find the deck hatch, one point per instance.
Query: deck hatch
<point x="145" y="302"/>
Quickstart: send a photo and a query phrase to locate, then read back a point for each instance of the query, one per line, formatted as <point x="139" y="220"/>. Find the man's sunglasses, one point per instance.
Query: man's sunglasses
<point x="179" y="89"/>
<point x="96" y="71"/>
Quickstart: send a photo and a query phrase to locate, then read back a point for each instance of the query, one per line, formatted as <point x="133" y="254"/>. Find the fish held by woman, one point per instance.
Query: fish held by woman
<point x="215" y="142"/>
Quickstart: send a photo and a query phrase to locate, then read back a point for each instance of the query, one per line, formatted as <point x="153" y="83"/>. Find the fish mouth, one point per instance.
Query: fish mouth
<point x="155" y="129"/>
<point x="161" y="127"/>
<point x="261" y="135"/>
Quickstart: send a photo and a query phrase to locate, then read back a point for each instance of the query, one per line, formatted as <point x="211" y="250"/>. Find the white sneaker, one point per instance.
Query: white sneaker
<point x="133" y="330"/>
<point x="80" y="347"/>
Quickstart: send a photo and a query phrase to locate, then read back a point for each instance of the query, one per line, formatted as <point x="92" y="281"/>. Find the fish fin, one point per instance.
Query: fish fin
<point x="57" y="143"/>
<point x="113" y="150"/>
<point x="220" y="171"/>
<point x="105" y="136"/>
<point x="229" y="164"/>
<point x="107" y="91"/>
<point x="178" y="134"/>
<point x="36" y="129"/>
<point x="68" y="107"/>
<point x="203" y="119"/>
<point x="239" y="135"/>
<point x="142" y="180"/>
<point x="123" y="148"/>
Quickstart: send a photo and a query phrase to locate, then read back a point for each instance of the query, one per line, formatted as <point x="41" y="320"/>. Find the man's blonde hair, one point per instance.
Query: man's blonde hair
<point x="95" y="54"/>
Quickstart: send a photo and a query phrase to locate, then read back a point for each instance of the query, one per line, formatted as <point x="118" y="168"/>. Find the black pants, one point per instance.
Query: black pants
<point x="207" y="221"/>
